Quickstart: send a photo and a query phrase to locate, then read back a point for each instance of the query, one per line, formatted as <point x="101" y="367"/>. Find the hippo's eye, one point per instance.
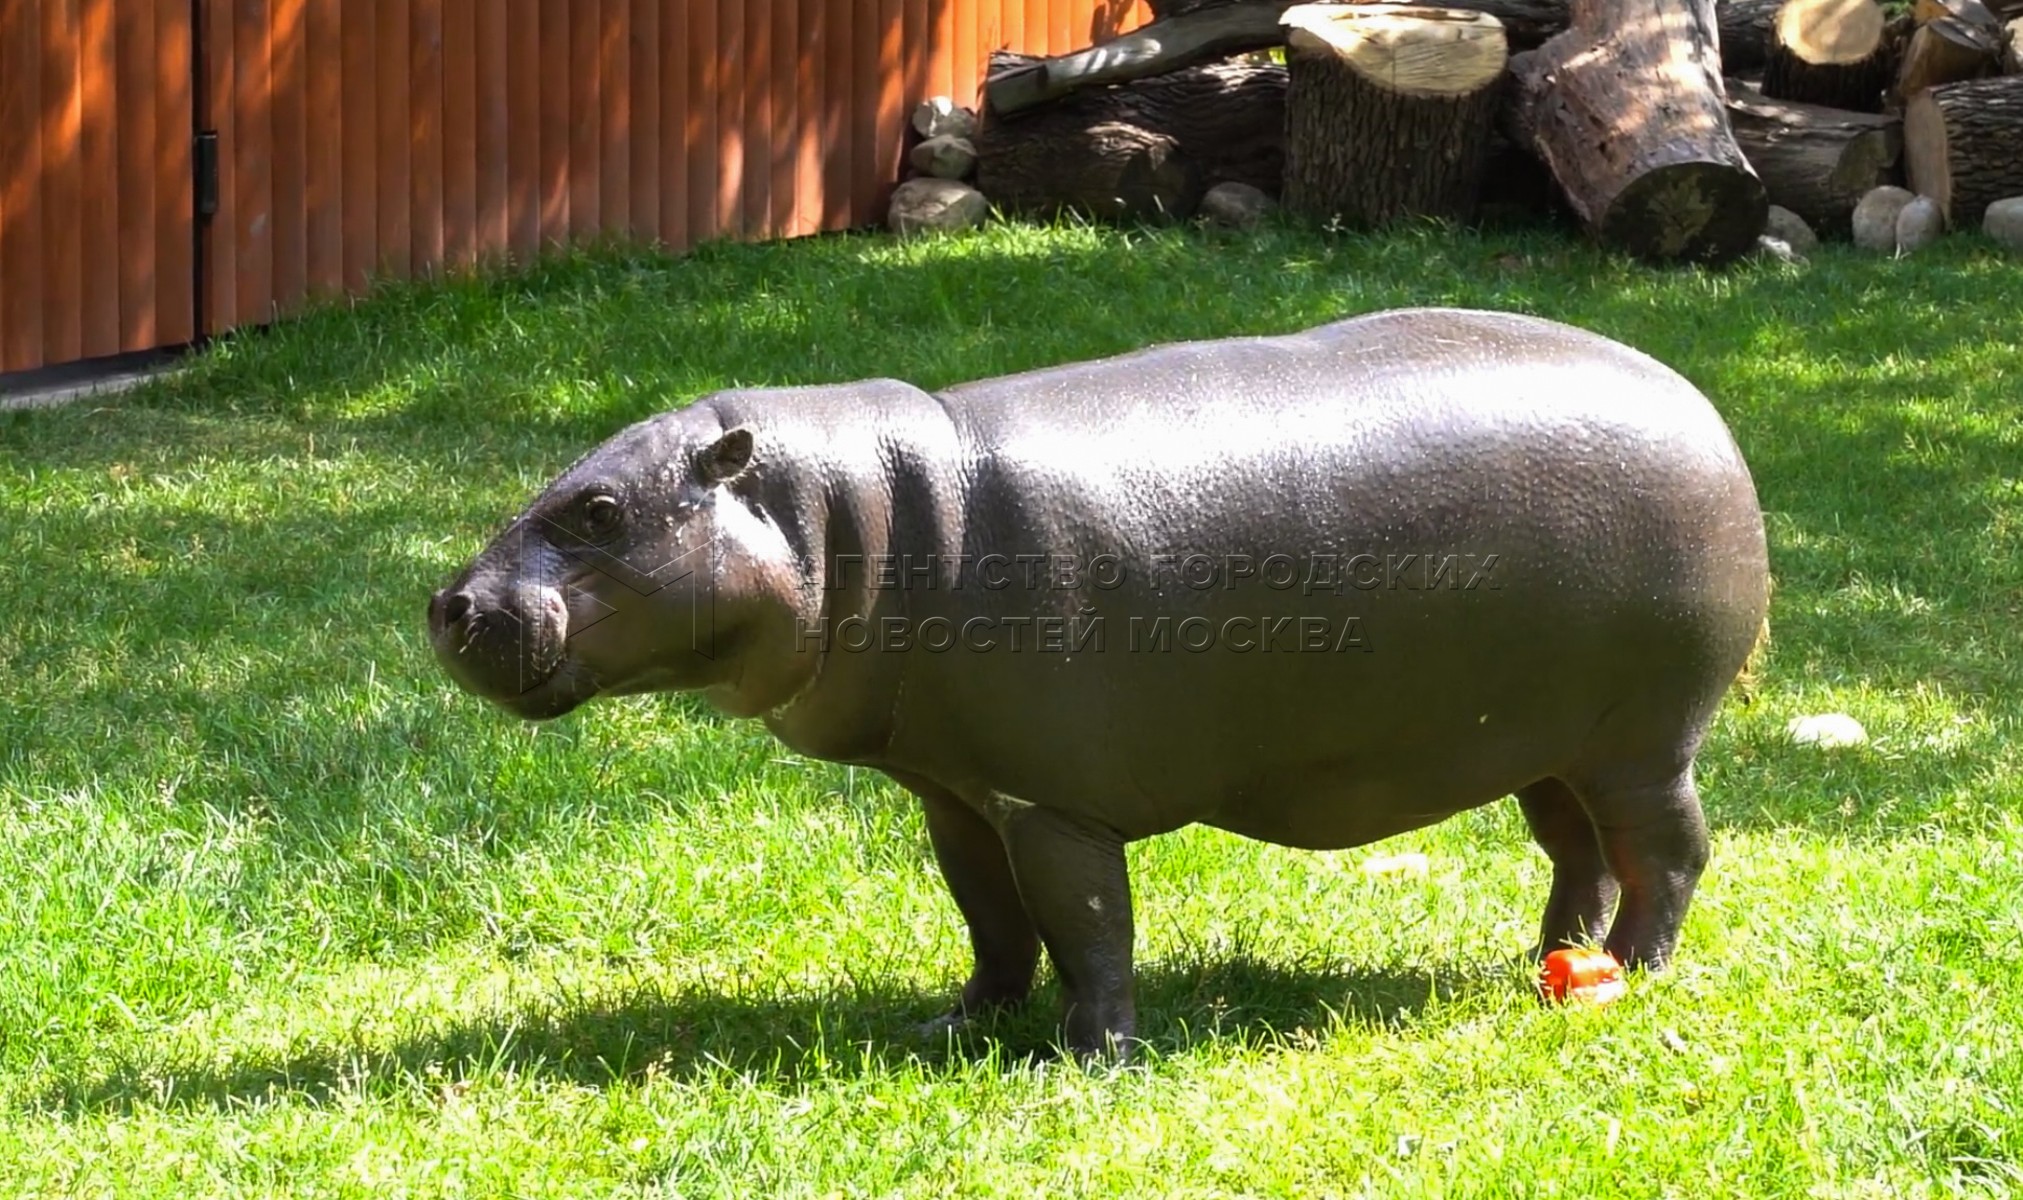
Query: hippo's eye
<point x="600" y="517"/>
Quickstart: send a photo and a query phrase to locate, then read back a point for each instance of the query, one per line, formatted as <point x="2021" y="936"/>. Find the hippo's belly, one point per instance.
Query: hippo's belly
<point x="1484" y="551"/>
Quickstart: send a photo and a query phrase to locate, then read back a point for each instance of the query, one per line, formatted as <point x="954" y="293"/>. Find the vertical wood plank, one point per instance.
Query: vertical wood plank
<point x="425" y="136"/>
<point x="221" y="290"/>
<point x="63" y="184"/>
<point x="325" y="62"/>
<point x="940" y="48"/>
<point x="251" y="154"/>
<point x="523" y="139"/>
<point x="731" y="67"/>
<point x="700" y="119"/>
<point x="839" y="113"/>
<point x="1060" y="27"/>
<point x="911" y="71"/>
<point x="556" y="126"/>
<point x="756" y="211"/>
<point x="789" y="86"/>
<point x="460" y="132"/>
<point x="968" y="14"/>
<point x="919" y="73"/>
<point x="21" y="159"/>
<point x="819" y="133"/>
<point x="395" y="251"/>
<point x="1012" y="27"/>
<point x="586" y="128"/>
<point x="614" y="84"/>
<point x="289" y="130"/>
<point x="674" y="144"/>
<point x="867" y="38"/>
<point x="137" y="178"/>
<point x="892" y="105"/>
<point x="644" y="44"/>
<point x="99" y="211"/>
<point x="175" y="212"/>
<point x="360" y="192"/>
<point x="493" y="191"/>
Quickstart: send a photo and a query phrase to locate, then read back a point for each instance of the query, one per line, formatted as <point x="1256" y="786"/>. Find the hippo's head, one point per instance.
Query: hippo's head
<point x="630" y="573"/>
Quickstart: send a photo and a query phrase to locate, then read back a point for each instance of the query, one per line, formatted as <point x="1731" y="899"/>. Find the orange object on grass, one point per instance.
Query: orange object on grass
<point x="1593" y="976"/>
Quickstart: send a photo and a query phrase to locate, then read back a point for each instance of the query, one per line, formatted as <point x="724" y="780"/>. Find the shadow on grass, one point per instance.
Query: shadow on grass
<point x="784" y="1042"/>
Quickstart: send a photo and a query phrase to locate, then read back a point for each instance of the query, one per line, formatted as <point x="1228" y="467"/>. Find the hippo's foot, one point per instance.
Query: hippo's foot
<point x="1583" y="891"/>
<point x="1654" y="839"/>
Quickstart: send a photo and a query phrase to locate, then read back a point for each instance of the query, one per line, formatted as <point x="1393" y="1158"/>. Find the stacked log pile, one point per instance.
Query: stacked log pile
<point x="1677" y="137"/>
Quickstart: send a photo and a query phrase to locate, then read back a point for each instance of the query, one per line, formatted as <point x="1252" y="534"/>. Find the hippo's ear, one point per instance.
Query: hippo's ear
<point x="727" y="457"/>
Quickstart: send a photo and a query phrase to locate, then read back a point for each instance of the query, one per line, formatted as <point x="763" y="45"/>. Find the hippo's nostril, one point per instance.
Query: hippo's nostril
<point x="457" y="607"/>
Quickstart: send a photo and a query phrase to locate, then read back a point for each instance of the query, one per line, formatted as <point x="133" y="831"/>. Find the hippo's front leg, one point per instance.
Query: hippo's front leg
<point x="1076" y="887"/>
<point x="978" y="874"/>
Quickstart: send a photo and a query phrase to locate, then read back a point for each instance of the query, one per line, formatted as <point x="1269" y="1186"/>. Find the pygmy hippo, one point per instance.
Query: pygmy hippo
<point x="1317" y="589"/>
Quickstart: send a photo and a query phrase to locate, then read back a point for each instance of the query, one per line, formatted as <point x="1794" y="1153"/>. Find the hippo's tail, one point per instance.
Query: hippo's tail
<point x="1746" y="679"/>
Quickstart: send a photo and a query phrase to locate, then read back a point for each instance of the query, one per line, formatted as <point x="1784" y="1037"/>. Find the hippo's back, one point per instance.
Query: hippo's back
<point x="1363" y="576"/>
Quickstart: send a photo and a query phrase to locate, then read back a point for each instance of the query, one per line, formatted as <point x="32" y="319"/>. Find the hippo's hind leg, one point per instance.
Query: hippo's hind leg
<point x="1583" y="890"/>
<point x="979" y="876"/>
<point x="1654" y="839"/>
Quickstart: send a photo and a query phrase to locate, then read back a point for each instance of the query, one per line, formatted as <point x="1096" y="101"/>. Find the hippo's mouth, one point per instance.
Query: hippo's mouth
<point x="561" y="692"/>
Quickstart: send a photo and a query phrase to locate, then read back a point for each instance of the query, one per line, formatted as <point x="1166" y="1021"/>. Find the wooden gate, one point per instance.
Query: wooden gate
<point x="173" y="168"/>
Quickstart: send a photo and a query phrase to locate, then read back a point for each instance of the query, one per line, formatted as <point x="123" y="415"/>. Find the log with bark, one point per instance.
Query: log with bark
<point x="1631" y="118"/>
<point x="1817" y="162"/>
<point x="1745" y="32"/>
<point x="1970" y="12"/>
<point x="1945" y="49"/>
<point x="1388" y="111"/>
<point x="1147" y="149"/>
<point x="1203" y="33"/>
<point x="1832" y="53"/>
<point x="1963" y="145"/>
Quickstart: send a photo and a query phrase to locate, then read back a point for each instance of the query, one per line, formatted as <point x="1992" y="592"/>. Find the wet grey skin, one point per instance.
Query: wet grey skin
<point x="1408" y="564"/>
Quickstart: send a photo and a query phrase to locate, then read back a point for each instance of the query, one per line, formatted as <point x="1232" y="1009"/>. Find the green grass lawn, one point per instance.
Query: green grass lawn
<point x="283" y="913"/>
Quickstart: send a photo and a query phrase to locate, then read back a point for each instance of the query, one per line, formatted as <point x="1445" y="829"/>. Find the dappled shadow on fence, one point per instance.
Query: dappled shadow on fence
<point x="786" y="1041"/>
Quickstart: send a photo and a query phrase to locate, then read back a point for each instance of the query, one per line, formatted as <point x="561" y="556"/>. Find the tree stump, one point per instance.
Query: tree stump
<point x="1945" y="50"/>
<point x="1963" y="145"/>
<point x="1745" y="32"/>
<point x="1631" y="118"/>
<point x="1389" y="109"/>
<point x="1817" y="162"/>
<point x="1830" y="53"/>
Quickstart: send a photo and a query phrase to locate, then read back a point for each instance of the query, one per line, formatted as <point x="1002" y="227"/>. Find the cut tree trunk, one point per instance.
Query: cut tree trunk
<point x="1147" y="149"/>
<point x="1969" y="12"/>
<point x="1945" y="50"/>
<point x="1829" y="52"/>
<point x="2012" y="47"/>
<point x="1817" y="162"/>
<point x="1745" y="32"/>
<point x="1203" y="33"/>
<point x="1388" y="111"/>
<point x="1963" y="145"/>
<point x="1631" y="118"/>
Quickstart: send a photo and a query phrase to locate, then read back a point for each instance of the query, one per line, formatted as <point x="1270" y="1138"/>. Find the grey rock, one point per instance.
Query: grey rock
<point x="1875" y="218"/>
<point x="919" y="205"/>
<point x="945" y="157"/>
<point x="1237" y="205"/>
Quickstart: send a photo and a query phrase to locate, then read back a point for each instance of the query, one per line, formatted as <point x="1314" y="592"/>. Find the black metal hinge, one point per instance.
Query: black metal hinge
<point x="207" y="173"/>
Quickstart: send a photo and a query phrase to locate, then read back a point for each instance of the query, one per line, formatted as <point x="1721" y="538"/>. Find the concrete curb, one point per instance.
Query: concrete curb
<point x="54" y="395"/>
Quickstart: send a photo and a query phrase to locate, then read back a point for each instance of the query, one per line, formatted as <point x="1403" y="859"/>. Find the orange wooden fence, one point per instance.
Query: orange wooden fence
<point x="355" y="139"/>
